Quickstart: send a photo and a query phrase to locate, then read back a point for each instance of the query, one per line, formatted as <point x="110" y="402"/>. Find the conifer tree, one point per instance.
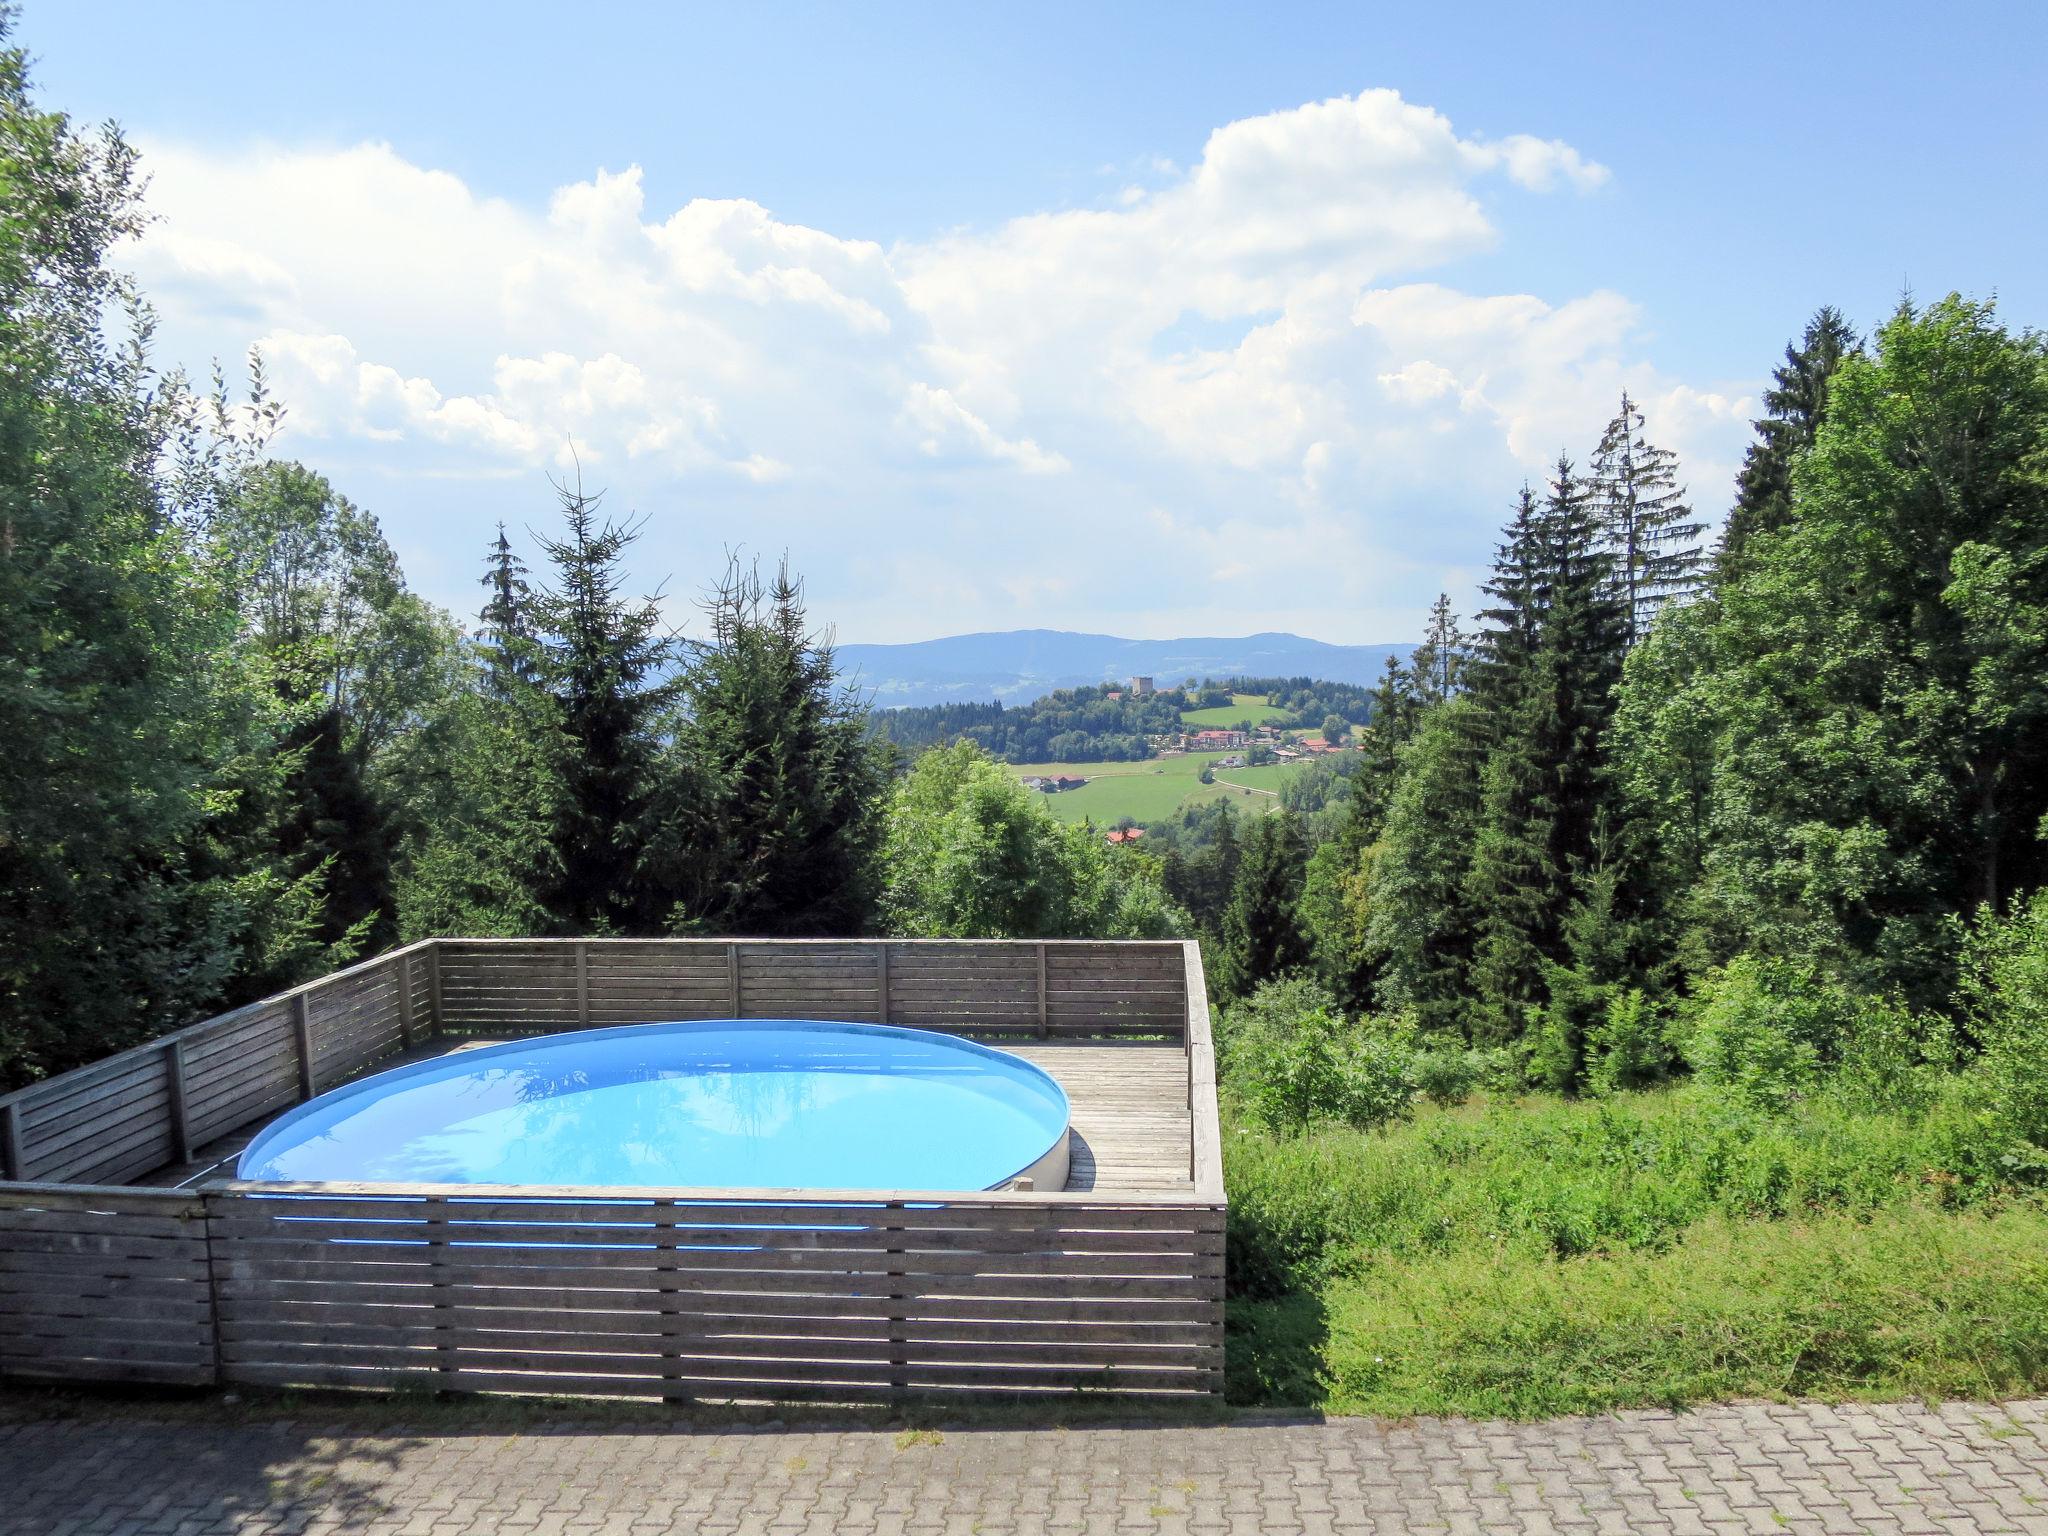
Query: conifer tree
<point x="1498" y="669"/>
<point x="506" y="628"/>
<point x="771" y="813"/>
<point x="1651" y="534"/>
<point x="1543" y="782"/>
<point x="1438" y="665"/>
<point x="1418" y="926"/>
<point x="1262" y="936"/>
<point x="1794" y="408"/>
<point x="608" y="664"/>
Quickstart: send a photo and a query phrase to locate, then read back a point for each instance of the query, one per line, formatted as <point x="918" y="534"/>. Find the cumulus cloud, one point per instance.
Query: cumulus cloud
<point x="1227" y="373"/>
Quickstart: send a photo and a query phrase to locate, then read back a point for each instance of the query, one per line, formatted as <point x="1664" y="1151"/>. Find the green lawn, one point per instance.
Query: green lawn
<point x="1242" y="706"/>
<point x="1154" y="789"/>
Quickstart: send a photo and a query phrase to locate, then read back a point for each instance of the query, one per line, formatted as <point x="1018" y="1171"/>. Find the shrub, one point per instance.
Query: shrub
<point x="1447" y="1075"/>
<point x="1320" y="1067"/>
<point x="2003" y="999"/>
<point x="1760" y="1030"/>
<point x="1625" y="1048"/>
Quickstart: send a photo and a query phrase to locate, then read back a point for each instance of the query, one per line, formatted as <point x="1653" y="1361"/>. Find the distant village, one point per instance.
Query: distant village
<point x="1258" y="745"/>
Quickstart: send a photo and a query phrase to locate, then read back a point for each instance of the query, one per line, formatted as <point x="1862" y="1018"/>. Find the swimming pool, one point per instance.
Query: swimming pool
<point x="727" y="1104"/>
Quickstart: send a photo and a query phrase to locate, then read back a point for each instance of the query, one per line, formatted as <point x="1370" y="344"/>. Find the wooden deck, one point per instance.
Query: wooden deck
<point x="1132" y="1129"/>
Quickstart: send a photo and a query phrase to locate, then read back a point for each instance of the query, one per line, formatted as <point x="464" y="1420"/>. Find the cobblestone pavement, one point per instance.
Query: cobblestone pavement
<point x="1900" y="1468"/>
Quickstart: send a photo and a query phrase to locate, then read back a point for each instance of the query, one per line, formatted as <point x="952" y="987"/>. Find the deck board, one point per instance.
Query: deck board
<point x="1129" y="1099"/>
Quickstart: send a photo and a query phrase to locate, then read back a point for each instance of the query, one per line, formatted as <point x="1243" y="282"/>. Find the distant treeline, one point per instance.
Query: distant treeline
<point x="1073" y="725"/>
<point x="1309" y="699"/>
<point x="1088" y="725"/>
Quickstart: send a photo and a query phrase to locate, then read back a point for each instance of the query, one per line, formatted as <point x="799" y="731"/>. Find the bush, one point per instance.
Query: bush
<point x="1626" y="1048"/>
<point x="1761" y="1030"/>
<point x="1448" y="1075"/>
<point x="1291" y="1060"/>
<point x="2003" y="999"/>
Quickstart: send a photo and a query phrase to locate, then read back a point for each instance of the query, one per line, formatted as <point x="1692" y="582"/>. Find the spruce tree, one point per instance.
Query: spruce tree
<point x="1543" y="783"/>
<point x="1262" y="936"/>
<point x="607" y="663"/>
<point x="1438" y="665"/>
<point x="1652" y="537"/>
<point x="1794" y="408"/>
<point x="506" y="623"/>
<point x="1498" y="669"/>
<point x="1419" y="929"/>
<point x="771" y="813"/>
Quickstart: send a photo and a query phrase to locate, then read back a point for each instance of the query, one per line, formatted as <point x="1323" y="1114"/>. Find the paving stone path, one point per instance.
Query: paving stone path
<point x="1900" y="1468"/>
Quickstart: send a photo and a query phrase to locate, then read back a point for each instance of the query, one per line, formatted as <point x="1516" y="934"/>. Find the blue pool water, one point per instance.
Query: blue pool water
<point x="764" y="1104"/>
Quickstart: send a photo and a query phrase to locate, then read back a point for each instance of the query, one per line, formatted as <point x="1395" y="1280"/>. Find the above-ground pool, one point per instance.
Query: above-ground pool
<point x="759" y="1104"/>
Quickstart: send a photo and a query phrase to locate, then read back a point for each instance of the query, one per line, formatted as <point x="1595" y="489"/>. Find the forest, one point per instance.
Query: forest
<point x="1070" y="725"/>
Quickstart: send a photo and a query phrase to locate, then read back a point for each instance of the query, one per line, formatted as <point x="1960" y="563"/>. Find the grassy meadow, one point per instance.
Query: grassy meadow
<point x="1528" y="1257"/>
<point x="1255" y="707"/>
<point x="1154" y="789"/>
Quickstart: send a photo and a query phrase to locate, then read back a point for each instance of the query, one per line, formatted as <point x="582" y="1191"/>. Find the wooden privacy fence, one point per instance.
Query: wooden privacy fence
<point x="673" y="1293"/>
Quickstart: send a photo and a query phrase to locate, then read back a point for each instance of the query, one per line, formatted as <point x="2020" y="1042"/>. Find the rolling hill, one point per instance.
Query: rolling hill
<point x="1023" y="664"/>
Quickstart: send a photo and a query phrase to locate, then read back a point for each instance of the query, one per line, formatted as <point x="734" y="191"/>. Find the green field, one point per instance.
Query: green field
<point x="1154" y="789"/>
<point x="1242" y="706"/>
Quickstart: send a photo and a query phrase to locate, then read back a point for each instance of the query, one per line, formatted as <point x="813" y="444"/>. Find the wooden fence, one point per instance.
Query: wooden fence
<point x="672" y="1293"/>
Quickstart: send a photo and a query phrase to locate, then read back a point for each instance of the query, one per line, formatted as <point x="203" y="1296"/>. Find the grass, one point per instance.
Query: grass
<point x="1543" y="1257"/>
<point x="1154" y="789"/>
<point x="1255" y="707"/>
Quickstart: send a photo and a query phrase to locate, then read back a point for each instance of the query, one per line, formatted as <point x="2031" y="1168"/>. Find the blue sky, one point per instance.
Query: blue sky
<point x="1145" y="319"/>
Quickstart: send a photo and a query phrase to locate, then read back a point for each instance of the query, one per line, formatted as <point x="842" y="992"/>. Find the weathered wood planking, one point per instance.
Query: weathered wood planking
<point x="700" y="1294"/>
<point x="104" y="1284"/>
<point x="688" y="1299"/>
<point x="1062" y="987"/>
<point x="136" y="1111"/>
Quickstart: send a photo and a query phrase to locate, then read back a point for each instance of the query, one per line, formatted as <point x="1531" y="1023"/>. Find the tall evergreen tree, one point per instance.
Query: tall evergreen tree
<point x="1652" y="537"/>
<point x="1544" y="780"/>
<point x="1438" y="665"/>
<point x="1419" y="929"/>
<point x="771" y="815"/>
<point x="1262" y="935"/>
<point x="608" y="663"/>
<point x="1794" y="408"/>
<point x="506" y="624"/>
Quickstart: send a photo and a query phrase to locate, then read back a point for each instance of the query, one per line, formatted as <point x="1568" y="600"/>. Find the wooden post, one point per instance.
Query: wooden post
<point x="13" y="1163"/>
<point x="434" y="1013"/>
<point x="882" y="982"/>
<point x="899" y="1299"/>
<point x="174" y="1089"/>
<point x="667" y="1290"/>
<point x="405" y="1024"/>
<point x="582" y="985"/>
<point x="732" y="980"/>
<point x="443" y="1303"/>
<point x="209" y="1209"/>
<point x="1044" y="1025"/>
<point x="302" y="1033"/>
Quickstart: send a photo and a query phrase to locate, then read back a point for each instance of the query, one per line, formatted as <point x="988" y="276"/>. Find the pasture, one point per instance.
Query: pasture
<point x="1254" y="707"/>
<point x="1154" y="789"/>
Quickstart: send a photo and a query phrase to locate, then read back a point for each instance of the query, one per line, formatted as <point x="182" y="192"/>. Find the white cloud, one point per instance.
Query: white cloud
<point x="1251" y="342"/>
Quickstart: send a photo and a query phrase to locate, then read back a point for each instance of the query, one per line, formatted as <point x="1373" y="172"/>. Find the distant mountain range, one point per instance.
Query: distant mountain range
<point x="1019" y="665"/>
